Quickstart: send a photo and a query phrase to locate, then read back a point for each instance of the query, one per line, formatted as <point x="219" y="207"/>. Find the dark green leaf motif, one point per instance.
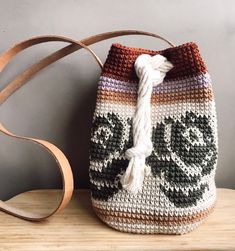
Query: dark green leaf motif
<point x="107" y="139"/>
<point x="184" y="152"/>
<point x="106" y="136"/>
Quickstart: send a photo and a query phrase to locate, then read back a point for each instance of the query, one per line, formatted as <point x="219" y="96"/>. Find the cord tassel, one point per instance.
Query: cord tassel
<point x="151" y="70"/>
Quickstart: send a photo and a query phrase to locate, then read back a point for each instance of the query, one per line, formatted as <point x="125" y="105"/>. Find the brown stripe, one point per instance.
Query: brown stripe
<point x="132" y="218"/>
<point x="197" y="96"/>
<point x="185" y="58"/>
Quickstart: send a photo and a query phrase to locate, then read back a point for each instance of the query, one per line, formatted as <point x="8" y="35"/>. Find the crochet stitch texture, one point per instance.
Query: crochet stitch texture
<point x="180" y="191"/>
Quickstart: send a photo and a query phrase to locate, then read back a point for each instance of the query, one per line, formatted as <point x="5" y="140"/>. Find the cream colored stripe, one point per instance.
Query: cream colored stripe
<point x="159" y="112"/>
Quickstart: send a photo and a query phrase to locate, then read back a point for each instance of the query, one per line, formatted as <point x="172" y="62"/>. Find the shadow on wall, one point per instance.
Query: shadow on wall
<point x="77" y="136"/>
<point x="75" y="145"/>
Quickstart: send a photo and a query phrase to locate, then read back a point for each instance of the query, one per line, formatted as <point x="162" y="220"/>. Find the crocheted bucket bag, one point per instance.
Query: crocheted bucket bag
<point x="153" y="146"/>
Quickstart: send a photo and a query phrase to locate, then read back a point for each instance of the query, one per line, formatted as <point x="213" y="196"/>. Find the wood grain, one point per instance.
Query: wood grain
<point x="77" y="228"/>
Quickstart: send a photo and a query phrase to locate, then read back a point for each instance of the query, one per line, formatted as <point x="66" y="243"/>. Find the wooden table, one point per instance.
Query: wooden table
<point x="77" y="228"/>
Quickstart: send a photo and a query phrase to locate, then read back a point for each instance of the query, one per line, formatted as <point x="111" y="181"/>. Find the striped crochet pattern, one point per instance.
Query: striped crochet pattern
<point x="180" y="191"/>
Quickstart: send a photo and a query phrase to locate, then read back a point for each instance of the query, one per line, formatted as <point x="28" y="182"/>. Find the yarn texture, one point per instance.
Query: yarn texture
<point x="154" y="148"/>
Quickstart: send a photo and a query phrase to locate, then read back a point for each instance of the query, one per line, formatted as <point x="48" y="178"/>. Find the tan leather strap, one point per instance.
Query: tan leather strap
<point x="66" y="173"/>
<point x="58" y="155"/>
<point x="6" y="57"/>
<point x="34" y="69"/>
<point x="21" y="79"/>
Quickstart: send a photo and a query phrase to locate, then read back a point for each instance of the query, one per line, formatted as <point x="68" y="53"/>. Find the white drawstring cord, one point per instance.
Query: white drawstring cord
<point x="151" y="71"/>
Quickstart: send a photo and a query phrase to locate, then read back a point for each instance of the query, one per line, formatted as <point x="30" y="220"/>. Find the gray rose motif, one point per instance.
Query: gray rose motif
<point x="184" y="152"/>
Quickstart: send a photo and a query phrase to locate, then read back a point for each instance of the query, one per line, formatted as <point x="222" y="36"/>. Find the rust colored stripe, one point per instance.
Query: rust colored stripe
<point x="186" y="59"/>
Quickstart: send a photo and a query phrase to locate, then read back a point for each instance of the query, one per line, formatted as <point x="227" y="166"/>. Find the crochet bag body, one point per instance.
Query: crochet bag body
<point x="154" y="141"/>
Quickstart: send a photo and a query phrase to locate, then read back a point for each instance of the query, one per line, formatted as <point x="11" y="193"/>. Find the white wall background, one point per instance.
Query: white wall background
<point x="57" y="105"/>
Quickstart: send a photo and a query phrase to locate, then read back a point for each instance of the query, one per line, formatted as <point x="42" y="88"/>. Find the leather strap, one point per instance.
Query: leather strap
<point x="21" y="79"/>
<point x="34" y="69"/>
<point x="58" y="155"/>
<point x="66" y="173"/>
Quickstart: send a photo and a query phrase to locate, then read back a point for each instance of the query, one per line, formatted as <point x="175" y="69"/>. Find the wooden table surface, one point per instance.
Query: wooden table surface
<point x="77" y="228"/>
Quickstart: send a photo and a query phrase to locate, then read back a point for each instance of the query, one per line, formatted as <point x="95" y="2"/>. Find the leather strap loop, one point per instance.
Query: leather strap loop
<point x="66" y="173"/>
<point x="21" y="79"/>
